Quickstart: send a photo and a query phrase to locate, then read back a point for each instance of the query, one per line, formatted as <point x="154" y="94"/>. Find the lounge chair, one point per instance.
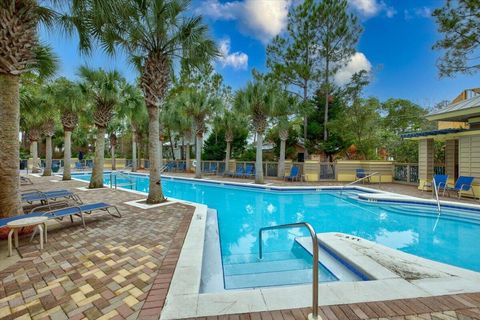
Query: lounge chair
<point x="440" y="181"/>
<point x="360" y="174"/>
<point x="250" y="171"/>
<point x="294" y="174"/>
<point x="25" y="181"/>
<point x="463" y="184"/>
<point x="76" y="210"/>
<point x="34" y="195"/>
<point x="4" y="221"/>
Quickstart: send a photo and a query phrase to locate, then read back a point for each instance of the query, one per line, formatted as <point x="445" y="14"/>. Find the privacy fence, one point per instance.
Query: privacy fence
<point x="341" y="170"/>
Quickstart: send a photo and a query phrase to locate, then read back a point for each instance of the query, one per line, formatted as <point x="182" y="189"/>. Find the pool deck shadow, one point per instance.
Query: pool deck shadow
<point x="122" y="269"/>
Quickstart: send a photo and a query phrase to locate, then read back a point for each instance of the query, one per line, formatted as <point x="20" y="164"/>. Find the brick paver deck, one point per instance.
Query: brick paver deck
<point x="122" y="268"/>
<point x="104" y="271"/>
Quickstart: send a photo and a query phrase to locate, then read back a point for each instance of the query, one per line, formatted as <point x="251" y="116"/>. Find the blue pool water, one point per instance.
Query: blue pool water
<point x="242" y="211"/>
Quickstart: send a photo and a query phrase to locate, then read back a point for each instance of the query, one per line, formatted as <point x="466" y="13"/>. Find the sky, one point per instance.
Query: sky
<point x="396" y="46"/>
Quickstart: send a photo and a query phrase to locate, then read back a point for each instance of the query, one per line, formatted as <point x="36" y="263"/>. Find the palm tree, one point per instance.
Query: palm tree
<point x="48" y="130"/>
<point x="154" y="33"/>
<point x="132" y="109"/>
<point x="257" y="101"/>
<point x="285" y="106"/>
<point x="20" y="52"/>
<point x="230" y="122"/>
<point x="69" y="100"/>
<point x="175" y="119"/>
<point x="103" y="90"/>
<point x="201" y="106"/>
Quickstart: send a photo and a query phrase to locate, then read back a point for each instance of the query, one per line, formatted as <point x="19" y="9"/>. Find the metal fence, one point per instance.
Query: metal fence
<point x="408" y="172"/>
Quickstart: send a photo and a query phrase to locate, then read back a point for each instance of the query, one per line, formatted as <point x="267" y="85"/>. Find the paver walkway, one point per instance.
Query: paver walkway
<point x="104" y="271"/>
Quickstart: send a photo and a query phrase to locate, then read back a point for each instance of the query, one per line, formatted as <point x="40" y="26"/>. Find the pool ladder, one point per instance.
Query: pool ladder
<point x="314" y="315"/>
<point x="113" y="176"/>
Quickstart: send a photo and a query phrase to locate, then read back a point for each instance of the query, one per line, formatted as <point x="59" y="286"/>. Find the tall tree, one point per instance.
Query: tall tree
<point x="293" y="58"/>
<point x="154" y="33"/>
<point x="459" y="22"/>
<point x="69" y="100"/>
<point x="132" y="109"/>
<point x="256" y="101"/>
<point x="285" y="106"/>
<point x="20" y="52"/>
<point x="103" y="90"/>
<point x="201" y="106"/>
<point x="230" y="122"/>
<point x="49" y="116"/>
<point x="337" y="33"/>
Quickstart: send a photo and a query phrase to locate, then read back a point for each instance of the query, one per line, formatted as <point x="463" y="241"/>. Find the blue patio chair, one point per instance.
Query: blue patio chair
<point x="294" y="174"/>
<point x="212" y="169"/>
<point x="440" y="181"/>
<point x="463" y="184"/>
<point x="360" y="174"/>
<point x="79" y="166"/>
<point x="250" y="171"/>
<point x="240" y="172"/>
<point x="182" y="167"/>
<point x="34" y="195"/>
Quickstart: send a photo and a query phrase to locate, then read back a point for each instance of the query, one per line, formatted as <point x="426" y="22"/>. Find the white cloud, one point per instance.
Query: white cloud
<point x="261" y="19"/>
<point x="357" y="63"/>
<point x="420" y="12"/>
<point x="370" y="8"/>
<point x="236" y="60"/>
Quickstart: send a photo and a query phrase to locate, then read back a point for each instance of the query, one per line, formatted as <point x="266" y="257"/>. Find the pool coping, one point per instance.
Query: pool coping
<point x="184" y="299"/>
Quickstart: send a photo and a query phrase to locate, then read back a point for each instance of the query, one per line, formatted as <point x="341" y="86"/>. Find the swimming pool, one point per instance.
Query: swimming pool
<point x="243" y="210"/>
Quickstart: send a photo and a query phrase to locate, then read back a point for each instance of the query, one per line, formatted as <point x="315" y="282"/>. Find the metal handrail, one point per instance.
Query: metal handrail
<point x="314" y="315"/>
<point x="439" y="209"/>
<point x="358" y="180"/>
<point x="131" y="182"/>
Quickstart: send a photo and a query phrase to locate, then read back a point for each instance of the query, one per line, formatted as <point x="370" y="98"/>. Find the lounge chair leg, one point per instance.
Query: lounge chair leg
<point x="45" y="231"/>
<point x="40" y="230"/>
<point x="10" y="233"/>
<point x="83" y="220"/>
<point x="33" y="234"/>
<point x="71" y="219"/>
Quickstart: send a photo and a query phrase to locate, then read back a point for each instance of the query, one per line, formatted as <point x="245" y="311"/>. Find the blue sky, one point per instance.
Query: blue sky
<point x="396" y="46"/>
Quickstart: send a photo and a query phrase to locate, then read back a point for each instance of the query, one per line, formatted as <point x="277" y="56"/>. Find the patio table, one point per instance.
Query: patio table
<point x="26" y="222"/>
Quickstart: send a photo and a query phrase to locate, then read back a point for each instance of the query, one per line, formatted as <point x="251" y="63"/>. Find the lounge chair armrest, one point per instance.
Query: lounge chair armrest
<point x="30" y="191"/>
<point x="468" y="187"/>
<point x="50" y="206"/>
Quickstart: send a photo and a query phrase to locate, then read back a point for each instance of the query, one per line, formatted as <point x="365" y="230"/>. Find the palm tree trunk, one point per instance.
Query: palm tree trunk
<point x="198" y="156"/>
<point x="10" y="204"/>
<point x="160" y="151"/>
<point x="34" y="153"/>
<point x="96" y="181"/>
<point x="155" y="194"/>
<point x="134" y="152"/>
<point x="67" y="156"/>
<point x="114" y="166"/>
<point x="48" y="156"/>
<point x="227" y="155"/>
<point x="258" y="161"/>
<point x="187" y="157"/>
<point x="281" y="159"/>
